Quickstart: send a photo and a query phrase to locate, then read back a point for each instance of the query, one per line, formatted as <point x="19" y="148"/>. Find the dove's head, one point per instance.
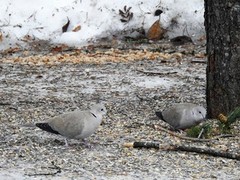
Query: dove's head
<point x="99" y="109"/>
<point x="199" y="113"/>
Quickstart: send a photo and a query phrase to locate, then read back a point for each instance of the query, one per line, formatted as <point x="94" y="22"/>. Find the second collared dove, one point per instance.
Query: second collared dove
<point x="183" y="115"/>
<point x="77" y="124"/>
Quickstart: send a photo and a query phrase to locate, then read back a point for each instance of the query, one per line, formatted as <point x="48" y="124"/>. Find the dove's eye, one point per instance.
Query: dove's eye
<point x="102" y="109"/>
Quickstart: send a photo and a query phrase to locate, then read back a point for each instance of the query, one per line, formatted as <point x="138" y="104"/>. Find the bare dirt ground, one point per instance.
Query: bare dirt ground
<point x="134" y="84"/>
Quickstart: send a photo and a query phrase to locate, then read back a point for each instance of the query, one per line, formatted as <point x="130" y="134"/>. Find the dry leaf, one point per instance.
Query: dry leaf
<point x="65" y="27"/>
<point x="156" y="32"/>
<point x="77" y="28"/>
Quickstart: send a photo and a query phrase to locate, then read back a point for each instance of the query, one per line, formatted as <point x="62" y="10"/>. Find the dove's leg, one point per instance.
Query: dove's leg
<point x="87" y="144"/>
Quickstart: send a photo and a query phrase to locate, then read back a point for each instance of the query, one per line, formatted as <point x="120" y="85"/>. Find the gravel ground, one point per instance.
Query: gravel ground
<point x="132" y="92"/>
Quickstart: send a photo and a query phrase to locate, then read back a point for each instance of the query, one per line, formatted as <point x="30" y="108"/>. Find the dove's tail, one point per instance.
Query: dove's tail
<point x="159" y="114"/>
<point x="46" y="127"/>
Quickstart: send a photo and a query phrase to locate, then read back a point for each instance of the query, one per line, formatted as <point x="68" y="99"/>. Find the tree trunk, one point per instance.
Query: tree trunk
<point x="222" y="23"/>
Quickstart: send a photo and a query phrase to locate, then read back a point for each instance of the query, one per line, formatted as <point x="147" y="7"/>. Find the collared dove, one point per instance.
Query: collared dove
<point x="183" y="115"/>
<point x="77" y="124"/>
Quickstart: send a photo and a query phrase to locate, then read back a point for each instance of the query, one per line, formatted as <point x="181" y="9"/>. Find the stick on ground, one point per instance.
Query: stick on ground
<point x="156" y="145"/>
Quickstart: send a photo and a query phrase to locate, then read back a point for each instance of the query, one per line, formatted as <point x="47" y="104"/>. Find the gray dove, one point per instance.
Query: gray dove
<point x="183" y="115"/>
<point x="76" y="124"/>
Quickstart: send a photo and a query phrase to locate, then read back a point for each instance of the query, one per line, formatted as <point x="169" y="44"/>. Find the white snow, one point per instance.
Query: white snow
<point x="26" y="20"/>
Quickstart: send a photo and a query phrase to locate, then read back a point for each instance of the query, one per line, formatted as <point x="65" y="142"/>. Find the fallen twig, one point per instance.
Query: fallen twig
<point x="182" y="148"/>
<point x="198" y="61"/>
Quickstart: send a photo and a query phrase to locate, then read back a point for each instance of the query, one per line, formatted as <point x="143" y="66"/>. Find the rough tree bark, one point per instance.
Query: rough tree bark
<point x="222" y="24"/>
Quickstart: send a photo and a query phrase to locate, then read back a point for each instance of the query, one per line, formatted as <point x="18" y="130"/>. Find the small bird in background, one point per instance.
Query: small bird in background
<point x="76" y="124"/>
<point x="183" y="115"/>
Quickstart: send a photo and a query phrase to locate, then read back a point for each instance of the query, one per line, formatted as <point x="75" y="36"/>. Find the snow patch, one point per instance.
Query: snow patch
<point x="23" y="20"/>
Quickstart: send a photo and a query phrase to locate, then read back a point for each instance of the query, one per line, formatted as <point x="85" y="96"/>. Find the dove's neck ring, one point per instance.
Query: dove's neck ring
<point x="94" y="115"/>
